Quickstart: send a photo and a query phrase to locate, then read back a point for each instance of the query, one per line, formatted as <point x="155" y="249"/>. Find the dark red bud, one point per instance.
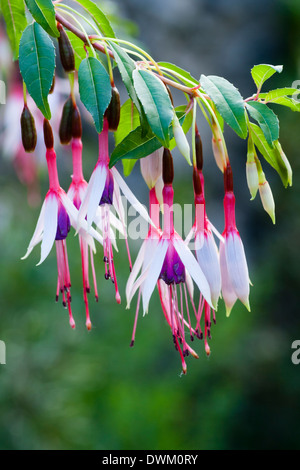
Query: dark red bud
<point x="66" y="51"/>
<point x="52" y="86"/>
<point x="197" y="182"/>
<point x="199" y="151"/>
<point x="28" y="130"/>
<point x="48" y="135"/>
<point x="112" y="113"/>
<point x="228" y="178"/>
<point x="76" y="124"/>
<point x="168" y="168"/>
<point x="65" y="127"/>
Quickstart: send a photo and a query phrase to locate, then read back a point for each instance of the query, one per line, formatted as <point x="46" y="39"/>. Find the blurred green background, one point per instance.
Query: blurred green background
<point x="64" y="389"/>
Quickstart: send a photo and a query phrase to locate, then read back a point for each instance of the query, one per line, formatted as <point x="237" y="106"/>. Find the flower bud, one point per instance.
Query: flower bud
<point x="252" y="178"/>
<point x="28" y="130"/>
<point x="48" y="135"/>
<point x="267" y="199"/>
<point x="66" y="51"/>
<point x="286" y="163"/>
<point x="251" y="169"/>
<point x="181" y="140"/>
<point x="218" y="149"/>
<point x="65" y="127"/>
<point x="112" y="113"/>
<point x="151" y="167"/>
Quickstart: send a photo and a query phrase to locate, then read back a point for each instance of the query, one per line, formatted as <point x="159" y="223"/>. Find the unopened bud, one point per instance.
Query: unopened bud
<point x="286" y="163"/>
<point x="252" y="178"/>
<point x="218" y="149"/>
<point x="181" y="140"/>
<point x="267" y="199"/>
<point x="48" y="135"/>
<point x="112" y="113"/>
<point x="66" y="51"/>
<point x="251" y="169"/>
<point x="151" y="167"/>
<point x="65" y="127"/>
<point x="76" y="124"/>
<point x="168" y="168"/>
<point x="28" y="130"/>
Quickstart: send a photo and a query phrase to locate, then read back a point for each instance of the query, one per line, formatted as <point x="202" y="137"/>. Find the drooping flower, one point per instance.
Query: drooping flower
<point x="53" y="225"/>
<point x="234" y="269"/>
<point x="170" y="264"/>
<point x="76" y="194"/>
<point x="103" y="191"/>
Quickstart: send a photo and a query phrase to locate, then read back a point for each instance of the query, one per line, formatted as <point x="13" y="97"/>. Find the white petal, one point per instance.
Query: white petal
<point x="208" y="259"/>
<point x="135" y="269"/>
<point x="96" y="192"/>
<point x="193" y="268"/>
<point x="117" y="203"/>
<point x="158" y="258"/>
<point x="50" y="226"/>
<point x="237" y="266"/>
<point x="92" y="195"/>
<point x="70" y="208"/>
<point x="37" y="235"/>
<point x="228" y="293"/>
<point x="131" y="197"/>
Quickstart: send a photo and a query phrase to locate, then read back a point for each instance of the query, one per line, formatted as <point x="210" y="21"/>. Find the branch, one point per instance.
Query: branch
<point x="80" y="34"/>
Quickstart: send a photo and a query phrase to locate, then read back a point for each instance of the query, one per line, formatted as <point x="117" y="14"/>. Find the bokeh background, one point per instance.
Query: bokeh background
<point x="64" y="389"/>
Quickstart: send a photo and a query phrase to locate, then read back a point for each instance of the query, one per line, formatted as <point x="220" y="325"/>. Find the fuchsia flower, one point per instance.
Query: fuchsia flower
<point x="104" y="191"/>
<point x="234" y="269"/>
<point x="54" y="222"/>
<point x="170" y="264"/>
<point x="76" y="194"/>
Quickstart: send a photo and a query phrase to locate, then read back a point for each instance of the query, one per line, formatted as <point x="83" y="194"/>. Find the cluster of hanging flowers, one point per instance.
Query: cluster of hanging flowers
<point x="189" y="281"/>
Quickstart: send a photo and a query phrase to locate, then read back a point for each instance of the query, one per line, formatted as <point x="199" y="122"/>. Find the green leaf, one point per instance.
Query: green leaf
<point x="288" y="102"/>
<point x="99" y="17"/>
<point x="267" y="120"/>
<point x="136" y="145"/>
<point x="228" y="102"/>
<point x="94" y="89"/>
<point x="15" y="19"/>
<point x="44" y="14"/>
<point x="37" y="65"/>
<point x="78" y="46"/>
<point x="278" y="93"/>
<point x="126" y="66"/>
<point x="156" y="103"/>
<point x="261" y="73"/>
<point x="180" y="73"/>
<point x="129" y="120"/>
<point x="271" y="154"/>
